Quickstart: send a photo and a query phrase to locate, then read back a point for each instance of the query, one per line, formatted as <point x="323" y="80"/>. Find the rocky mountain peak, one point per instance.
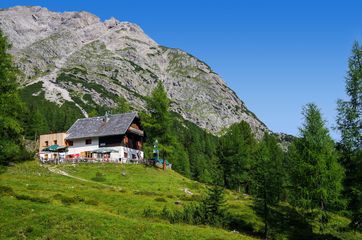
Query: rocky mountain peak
<point x="78" y="58"/>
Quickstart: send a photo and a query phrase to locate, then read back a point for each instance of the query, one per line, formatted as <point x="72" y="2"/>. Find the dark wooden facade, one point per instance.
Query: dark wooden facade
<point x="133" y="138"/>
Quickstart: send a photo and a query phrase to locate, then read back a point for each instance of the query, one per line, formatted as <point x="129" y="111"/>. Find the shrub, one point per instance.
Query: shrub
<point x="32" y="199"/>
<point x="242" y="223"/>
<point x="211" y="210"/>
<point x="160" y="199"/>
<point x="58" y="196"/>
<point x="68" y="200"/>
<point x="146" y="193"/>
<point x="167" y="214"/>
<point x="122" y="190"/>
<point x="99" y="177"/>
<point x="91" y="202"/>
<point x="4" y="190"/>
<point x="149" y="212"/>
<point x="32" y="186"/>
<point x="194" y="197"/>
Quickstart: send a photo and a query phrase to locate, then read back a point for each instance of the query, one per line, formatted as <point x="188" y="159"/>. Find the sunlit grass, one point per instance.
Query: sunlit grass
<point x="111" y="209"/>
<point x="36" y="203"/>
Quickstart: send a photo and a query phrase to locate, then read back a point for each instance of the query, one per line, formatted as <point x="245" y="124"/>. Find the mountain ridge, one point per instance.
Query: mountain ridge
<point x="79" y="58"/>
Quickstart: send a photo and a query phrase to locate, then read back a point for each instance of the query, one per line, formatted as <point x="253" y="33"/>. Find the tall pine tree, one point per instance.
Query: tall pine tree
<point x="349" y="121"/>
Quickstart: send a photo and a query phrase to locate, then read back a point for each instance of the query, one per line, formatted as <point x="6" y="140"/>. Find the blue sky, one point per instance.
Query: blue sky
<point x="276" y="55"/>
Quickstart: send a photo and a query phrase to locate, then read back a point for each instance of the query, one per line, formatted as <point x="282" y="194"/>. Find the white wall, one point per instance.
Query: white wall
<point x="120" y="155"/>
<point x="80" y="146"/>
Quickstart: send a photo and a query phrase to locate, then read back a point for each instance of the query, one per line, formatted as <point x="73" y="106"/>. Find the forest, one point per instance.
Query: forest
<point x="315" y="174"/>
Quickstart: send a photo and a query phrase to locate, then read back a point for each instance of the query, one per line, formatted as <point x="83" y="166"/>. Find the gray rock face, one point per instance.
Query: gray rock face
<point x="78" y="58"/>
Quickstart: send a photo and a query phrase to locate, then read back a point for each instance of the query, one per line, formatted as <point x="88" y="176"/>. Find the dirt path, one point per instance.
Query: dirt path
<point x="55" y="170"/>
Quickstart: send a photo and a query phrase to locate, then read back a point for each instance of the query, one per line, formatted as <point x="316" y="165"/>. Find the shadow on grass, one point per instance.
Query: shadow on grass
<point x="3" y="169"/>
<point x="4" y="165"/>
<point x="285" y="221"/>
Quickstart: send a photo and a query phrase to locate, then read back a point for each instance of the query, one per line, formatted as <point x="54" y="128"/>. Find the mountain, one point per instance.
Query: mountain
<point x="74" y="57"/>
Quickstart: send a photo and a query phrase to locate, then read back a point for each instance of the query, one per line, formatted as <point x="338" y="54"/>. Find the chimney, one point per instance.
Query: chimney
<point x="106" y="117"/>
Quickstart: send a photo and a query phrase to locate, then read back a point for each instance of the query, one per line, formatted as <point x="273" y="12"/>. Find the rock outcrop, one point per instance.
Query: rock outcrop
<point x="78" y="58"/>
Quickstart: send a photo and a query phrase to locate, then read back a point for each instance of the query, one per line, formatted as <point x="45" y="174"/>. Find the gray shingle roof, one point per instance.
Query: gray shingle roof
<point x="96" y="126"/>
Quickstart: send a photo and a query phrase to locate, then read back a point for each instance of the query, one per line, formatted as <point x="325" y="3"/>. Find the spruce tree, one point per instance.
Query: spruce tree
<point x="11" y="108"/>
<point x="349" y="122"/>
<point x="316" y="175"/>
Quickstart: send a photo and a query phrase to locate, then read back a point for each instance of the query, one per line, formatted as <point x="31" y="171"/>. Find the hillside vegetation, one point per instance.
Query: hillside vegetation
<point x="109" y="201"/>
<point x="39" y="204"/>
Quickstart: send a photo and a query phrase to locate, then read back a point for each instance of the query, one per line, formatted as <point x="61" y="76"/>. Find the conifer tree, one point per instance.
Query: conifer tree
<point x="122" y="106"/>
<point x="34" y="123"/>
<point x="159" y="122"/>
<point x="267" y="176"/>
<point x="316" y="175"/>
<point x="158" y="125"/>
<point x="237" y="147"/>
<point x="214" y="206"/>
<point x="11" y="108"/>
<point x="349" y="122"/>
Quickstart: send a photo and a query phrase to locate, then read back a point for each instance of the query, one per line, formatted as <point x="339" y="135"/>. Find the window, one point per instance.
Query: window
<point x="46" y="143"/>
<point x="88" y="141"/>
<point x="55" y="142"/>
<point x="88" y="154"/>
<point x="110" y="141"/>
<point x="133" y="156"/>
<point x="125" y="155"/>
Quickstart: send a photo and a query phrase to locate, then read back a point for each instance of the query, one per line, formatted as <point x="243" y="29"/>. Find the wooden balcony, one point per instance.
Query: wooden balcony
<point x="136" y="131"/>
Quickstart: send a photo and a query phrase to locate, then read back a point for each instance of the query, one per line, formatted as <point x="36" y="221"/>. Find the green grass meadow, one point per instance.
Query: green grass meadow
<point x="108" y="201"/>
<point x="38" y="204"/>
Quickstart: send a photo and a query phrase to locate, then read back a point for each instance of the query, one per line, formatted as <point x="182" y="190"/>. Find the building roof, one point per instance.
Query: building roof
<point x="107" y="125"/>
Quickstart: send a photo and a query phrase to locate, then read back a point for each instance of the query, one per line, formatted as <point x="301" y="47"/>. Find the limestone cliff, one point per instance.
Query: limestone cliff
<point x="81" y="59"/>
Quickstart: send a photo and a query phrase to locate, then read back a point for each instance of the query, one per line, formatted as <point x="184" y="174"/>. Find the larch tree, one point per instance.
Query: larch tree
<point x="349" y="123"/>
<point x="158" y="124"/>
<point x="315" y="173"/>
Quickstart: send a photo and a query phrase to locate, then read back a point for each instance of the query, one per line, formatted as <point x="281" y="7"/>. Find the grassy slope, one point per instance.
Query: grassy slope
<point x="59" y="207"/>
<point x="45" y="205"/>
